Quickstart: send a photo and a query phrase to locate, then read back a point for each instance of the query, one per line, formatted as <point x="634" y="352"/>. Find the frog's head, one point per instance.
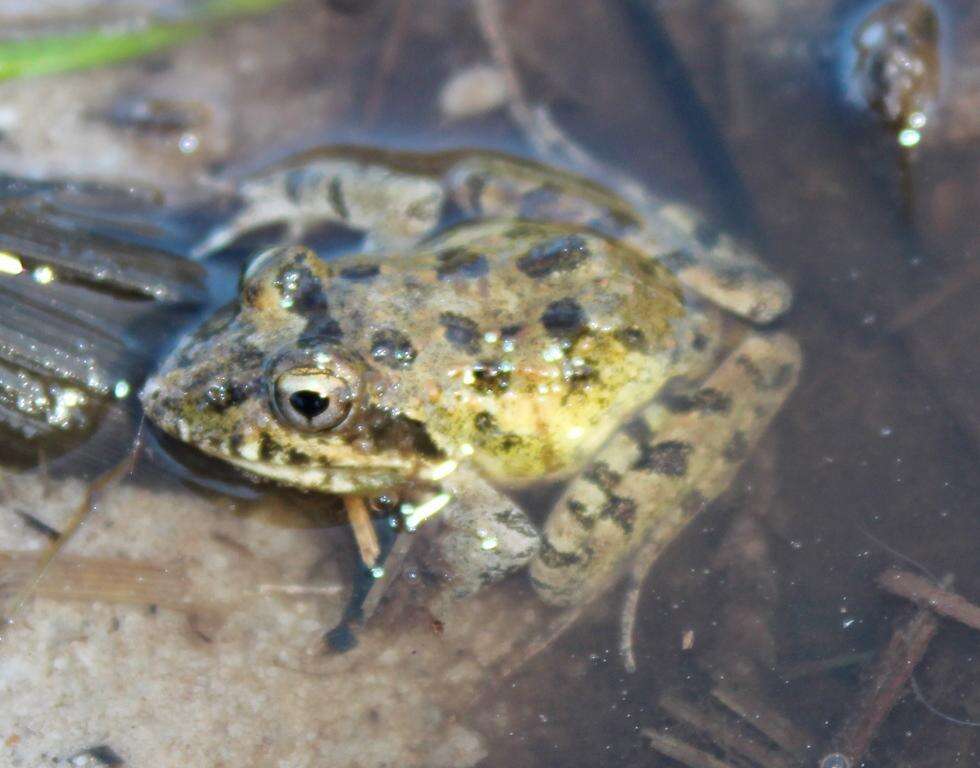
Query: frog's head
<point x="268" y="385"/>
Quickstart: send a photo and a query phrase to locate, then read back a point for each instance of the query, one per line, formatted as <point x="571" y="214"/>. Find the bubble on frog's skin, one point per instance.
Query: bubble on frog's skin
<point x="552" y="353"/>
<point x="392" y="348"/>
<point x="188" y="143"/>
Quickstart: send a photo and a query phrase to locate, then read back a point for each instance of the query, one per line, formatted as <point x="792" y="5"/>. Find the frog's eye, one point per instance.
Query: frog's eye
<point x="312" y="401"/>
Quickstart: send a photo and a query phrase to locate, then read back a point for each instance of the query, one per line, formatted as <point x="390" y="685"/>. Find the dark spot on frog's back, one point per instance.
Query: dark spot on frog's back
<point x="392" y="348"/>
<point x="360" y="272"/>
<point x="563" y="318"/>
<point x="632" y="338"/>
<point x="562" y="254"/>
<point x="460" y="331"/>
<point x="460" y="262"/>
<point x="300" y="290"/>
<point x="485" y="422"/>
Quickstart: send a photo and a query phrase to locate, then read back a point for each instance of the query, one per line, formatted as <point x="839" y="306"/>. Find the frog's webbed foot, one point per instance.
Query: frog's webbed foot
<point x="652" y="477"/>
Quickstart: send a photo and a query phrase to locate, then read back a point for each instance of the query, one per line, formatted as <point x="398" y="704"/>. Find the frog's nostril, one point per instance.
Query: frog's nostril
<point x="308" y="403"/>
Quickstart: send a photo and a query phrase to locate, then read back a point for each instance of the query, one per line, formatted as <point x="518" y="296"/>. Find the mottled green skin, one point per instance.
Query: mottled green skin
<point x="518" y="345"/>
<point x="510" y="348"/>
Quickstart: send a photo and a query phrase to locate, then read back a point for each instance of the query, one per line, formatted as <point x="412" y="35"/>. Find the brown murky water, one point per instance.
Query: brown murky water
<point x="738" y="108"/>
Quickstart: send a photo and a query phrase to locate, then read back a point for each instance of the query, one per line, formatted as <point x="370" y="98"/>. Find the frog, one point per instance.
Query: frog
<point x="501" y="325"/>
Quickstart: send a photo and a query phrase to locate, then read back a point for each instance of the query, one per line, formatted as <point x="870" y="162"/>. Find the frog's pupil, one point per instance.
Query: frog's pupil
<point x="309" y="403"/>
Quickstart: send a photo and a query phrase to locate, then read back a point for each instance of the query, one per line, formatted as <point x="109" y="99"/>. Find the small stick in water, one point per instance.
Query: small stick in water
<point x="886" y="686"/>
<point x="683" y="753"/>
<point x="364" y="534"/>
<point x="927" y="594"/>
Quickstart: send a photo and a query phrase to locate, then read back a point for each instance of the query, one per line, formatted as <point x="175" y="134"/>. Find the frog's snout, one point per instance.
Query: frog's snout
<point x="153" y="399"/>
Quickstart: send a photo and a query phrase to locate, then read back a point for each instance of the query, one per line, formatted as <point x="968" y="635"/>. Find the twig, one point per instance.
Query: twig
<point x="387" y="61"/>
<point x="725" y="735"/>
<point x="925" y="593"/>
<point x="931" y="301"/>
<point x="546" y="137"/>
<point x="87" y="505"/>
<point x="774" y="726"/>
<point x="392" y="570"/>
<point x="110" y="580"/>
<point x="364" y="533"/>
<point x="684" y="753"/>
<point x="541" y="641"/>
<point x="888" y="684"/>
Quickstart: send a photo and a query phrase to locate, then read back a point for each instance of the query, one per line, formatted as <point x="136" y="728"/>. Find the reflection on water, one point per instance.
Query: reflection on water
<point x="754" y="636"/>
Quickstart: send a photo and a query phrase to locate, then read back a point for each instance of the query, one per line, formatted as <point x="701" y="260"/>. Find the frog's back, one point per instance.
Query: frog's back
<point x="520" y="343"/>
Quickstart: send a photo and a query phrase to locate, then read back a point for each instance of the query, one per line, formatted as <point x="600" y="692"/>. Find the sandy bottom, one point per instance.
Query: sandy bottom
<point x="202" y="645"/>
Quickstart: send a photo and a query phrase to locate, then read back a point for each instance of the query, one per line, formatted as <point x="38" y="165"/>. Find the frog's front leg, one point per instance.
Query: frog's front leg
<point x="369" y="193"/>
<point x="652" y="477"/>
<point x="483" y="535"/>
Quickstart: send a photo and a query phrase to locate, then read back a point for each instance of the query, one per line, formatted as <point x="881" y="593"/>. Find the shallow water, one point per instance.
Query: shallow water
<point x="872" y="464"/>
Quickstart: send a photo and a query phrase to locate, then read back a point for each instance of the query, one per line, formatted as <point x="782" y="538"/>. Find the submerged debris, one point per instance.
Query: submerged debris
<point x="925" y="593"/>
<point x="887" y="684"/>
<point x="728" y="735"/>
<point x="473" y="91"/>
<point x="896" y="70"/>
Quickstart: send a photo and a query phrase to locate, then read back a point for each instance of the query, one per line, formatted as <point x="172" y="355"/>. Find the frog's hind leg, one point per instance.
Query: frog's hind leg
<point x="653" y="476"/>
<point x="394" y="207"/>
<point x="708" y="262"/>
<point x="713" y="264"/>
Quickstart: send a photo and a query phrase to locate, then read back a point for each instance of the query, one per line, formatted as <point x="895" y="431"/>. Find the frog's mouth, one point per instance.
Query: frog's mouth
<point x="347" y="479"/>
